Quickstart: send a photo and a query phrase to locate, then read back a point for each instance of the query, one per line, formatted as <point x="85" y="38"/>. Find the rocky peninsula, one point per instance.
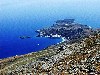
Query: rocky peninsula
<point x="67" y="28"/>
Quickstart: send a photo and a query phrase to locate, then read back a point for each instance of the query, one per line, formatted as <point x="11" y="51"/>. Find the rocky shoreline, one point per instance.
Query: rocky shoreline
<point x="64" y="58"/>
<point x="77" y="56"/>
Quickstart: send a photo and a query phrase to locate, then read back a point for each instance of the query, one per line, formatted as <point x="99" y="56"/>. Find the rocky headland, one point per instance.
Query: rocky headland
<point x="67" y="29"/>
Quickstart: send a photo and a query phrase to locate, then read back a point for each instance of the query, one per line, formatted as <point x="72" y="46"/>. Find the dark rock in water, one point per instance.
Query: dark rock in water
<point x="28" y="37"/>
<point x="66" y="28"/>
<point x="21" y="37"/>
<point x="24" y="37"/>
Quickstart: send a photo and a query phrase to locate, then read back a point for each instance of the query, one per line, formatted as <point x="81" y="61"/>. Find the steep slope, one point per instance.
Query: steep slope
<point x="80" y="58"/>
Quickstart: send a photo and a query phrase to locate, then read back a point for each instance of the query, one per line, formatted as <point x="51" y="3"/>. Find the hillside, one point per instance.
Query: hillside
<point x="73" y="58"/>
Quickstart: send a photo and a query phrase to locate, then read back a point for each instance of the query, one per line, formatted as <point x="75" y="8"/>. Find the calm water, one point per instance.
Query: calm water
<point x="23" y="17"/>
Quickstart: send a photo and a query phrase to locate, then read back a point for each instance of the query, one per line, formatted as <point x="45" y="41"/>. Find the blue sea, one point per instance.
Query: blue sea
<point x="24" y="17"/>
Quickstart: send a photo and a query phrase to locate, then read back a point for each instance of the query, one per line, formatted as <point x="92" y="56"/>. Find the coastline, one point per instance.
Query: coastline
<point x="79" y="42"/>
<point x="65" y="25"/>
<point x="64" y="39"/>
<point x="54" y="54"/>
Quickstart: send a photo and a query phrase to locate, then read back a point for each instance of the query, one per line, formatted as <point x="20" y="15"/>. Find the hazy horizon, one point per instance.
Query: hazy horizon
<point x="86" y="9"/>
